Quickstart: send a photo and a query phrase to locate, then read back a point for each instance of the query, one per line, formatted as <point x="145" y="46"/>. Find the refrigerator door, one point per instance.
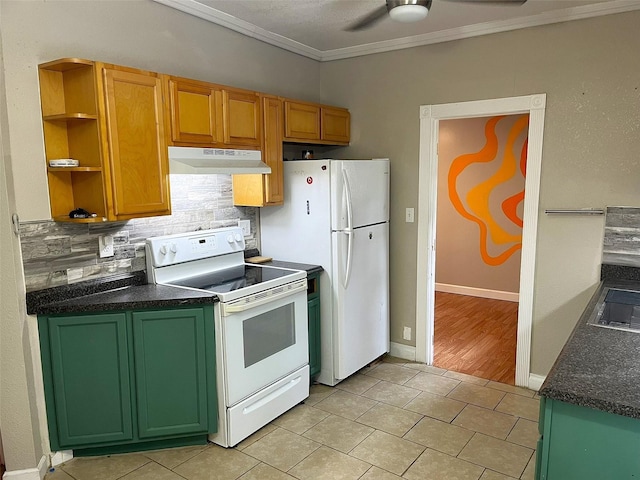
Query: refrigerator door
<point x="299" y="230"/>
<point x="359" y="193"/>
<point x="361" y="308"/>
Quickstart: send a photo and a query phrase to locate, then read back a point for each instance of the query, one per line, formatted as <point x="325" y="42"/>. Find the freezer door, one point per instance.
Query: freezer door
<point x="361" y="301"/>
<point x="359" y="193"/>
<point x="300" y="230"/>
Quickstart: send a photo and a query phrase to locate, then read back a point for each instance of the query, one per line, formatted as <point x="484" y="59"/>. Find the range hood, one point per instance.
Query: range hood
<point x="193" y="160"/>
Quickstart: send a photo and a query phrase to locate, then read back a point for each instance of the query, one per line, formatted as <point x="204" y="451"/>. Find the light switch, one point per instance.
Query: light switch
<point x="409" y="215"/>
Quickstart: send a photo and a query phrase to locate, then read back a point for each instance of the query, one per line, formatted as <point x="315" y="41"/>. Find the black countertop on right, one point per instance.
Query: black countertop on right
<point x="599" y="367"/>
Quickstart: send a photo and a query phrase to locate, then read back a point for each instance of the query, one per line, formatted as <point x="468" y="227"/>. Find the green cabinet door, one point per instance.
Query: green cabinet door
<point x="581" y="443"/>
<point x="313" y="312"/>
<point x="89" y="366"/>
<point x="313" y="307"/>
<point x="171" y="372"/>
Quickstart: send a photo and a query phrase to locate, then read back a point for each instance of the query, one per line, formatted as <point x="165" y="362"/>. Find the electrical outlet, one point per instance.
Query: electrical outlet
<point x="105" y="245"/>
<point x="406" y="333"/>
<point x="245" y="225"/>
<point x="409" y="216"/>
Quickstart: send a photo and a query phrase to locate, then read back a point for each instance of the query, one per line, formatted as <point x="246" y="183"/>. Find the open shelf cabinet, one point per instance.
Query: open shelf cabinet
<point x="71" y="130"/>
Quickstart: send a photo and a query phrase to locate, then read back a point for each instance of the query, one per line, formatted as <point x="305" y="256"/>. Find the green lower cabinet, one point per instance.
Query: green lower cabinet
<point x="580" y="443"/>
<point x="119" y="381"/>
<point x="313" y="312"/>
<point x="88" y="364"/>
<point x="171" y="366"/>
<point x="313" y="308"/>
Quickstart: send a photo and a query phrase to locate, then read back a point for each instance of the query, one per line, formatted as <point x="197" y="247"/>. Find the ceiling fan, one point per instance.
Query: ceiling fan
<point x="411" y="11"/>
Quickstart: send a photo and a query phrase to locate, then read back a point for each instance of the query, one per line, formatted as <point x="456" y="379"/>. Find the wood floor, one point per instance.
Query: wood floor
<point x="476" y="336"/>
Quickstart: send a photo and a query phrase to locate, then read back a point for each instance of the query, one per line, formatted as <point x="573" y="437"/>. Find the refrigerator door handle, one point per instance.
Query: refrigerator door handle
<point x="349" y="233"/>
<point x="347" y="191"/>
<point x="348" y="230"/>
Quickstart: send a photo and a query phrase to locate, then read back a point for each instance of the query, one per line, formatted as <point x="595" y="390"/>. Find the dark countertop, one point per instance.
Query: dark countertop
<point x="598" y="367"/>
<point x="310" y="269"/>
<point x="124" y="292"/>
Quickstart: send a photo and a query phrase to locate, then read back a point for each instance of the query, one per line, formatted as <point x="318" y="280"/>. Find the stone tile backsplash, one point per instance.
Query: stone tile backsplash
<point x="56" y="253"/>
<point x="622" y="237"/>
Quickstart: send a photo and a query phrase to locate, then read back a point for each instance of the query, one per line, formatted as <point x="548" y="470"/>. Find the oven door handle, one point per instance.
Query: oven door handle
<point x="238" y="307"/>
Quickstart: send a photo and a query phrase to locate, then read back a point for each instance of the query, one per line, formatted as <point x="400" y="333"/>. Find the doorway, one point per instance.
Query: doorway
<point x="430" y="117"/>
<point x="481" y="180"/>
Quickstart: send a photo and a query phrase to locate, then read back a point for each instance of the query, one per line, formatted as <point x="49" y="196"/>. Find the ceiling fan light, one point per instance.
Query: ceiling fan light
<point x="408" y="13"/>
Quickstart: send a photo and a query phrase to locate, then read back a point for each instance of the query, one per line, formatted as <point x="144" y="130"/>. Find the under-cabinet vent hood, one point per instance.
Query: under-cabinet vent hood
<point x="215" y="160"/>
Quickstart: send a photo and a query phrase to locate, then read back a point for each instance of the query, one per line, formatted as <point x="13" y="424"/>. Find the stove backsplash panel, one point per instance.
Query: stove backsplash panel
<point x="55" y="253"/>
<point x="622" y="237"/>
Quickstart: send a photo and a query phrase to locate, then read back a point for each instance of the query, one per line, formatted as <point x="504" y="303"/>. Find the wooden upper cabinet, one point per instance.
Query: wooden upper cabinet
<point x="272" y="151"/>
<point x="261" y="190"/>
<point x="111" y="120"/>
<point x="195" y="109"/>
<point x="314" y="123"/>
<point x="302" y="121"/>
<point x="242" y="118"/>
<point x="136" y="143"/>
<point x="335" y="124"/>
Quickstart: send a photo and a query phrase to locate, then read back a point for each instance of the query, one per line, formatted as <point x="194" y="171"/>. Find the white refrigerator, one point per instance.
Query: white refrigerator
<point x="336" y="214"/>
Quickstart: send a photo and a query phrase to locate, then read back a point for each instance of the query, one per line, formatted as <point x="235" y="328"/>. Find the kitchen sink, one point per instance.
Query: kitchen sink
<point x="617" y="308"/>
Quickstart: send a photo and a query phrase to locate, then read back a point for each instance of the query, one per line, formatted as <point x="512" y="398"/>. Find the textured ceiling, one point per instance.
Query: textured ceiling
<point x="319" y="25"/>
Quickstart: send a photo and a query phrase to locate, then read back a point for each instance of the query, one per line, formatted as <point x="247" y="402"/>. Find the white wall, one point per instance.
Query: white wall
<point x="590" y="71"/>
<point x="19" y="419"/>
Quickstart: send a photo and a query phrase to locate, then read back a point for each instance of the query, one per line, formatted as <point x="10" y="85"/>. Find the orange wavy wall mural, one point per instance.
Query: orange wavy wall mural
<point x="497" y="244"/>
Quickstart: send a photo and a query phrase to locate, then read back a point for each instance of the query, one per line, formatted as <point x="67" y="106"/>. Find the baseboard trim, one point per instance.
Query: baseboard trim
<point x="478" y="292"/>
<point x="37" y="473"/>
<point x="536" y="381"/>
<point x="60" y="457"/>
<point x="400" y="350"/>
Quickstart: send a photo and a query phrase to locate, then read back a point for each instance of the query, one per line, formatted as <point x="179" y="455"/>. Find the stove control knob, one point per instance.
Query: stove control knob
<point x="230" y="238"/>
<point x="238" y="237"/>
<point x="163" y="249"/>
<point x="173" y="248"/>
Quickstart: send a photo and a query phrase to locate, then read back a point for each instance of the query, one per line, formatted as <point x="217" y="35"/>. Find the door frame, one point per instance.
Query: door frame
<point x="430" y="116"/>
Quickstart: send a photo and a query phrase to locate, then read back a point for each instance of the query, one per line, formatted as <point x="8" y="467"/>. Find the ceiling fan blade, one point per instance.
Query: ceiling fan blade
<point x="368" y="20"/>
<point x="515" y="3"/>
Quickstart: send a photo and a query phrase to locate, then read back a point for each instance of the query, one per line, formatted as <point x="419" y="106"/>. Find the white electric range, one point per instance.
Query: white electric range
<point x="261" y="332"/>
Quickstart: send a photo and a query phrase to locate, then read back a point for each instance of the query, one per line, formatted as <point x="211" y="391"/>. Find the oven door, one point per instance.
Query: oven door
<point x="265" y="338"/>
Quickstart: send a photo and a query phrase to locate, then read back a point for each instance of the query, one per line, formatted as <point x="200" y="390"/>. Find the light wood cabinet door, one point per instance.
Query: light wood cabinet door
<point x="335" y="124"/>
<point x="196" y="112"/>
<point x="257" y="190"/>
<point x="272" y="152"/>
<point x="137" y="149"/>
<point x="302" y="121"/>
<point x="242" y="118"/>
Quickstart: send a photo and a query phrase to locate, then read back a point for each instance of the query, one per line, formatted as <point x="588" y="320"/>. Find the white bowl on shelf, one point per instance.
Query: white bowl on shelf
<point x="64" y="162"/>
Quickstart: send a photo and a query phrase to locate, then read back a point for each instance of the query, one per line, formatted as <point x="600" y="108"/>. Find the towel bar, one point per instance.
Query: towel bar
<point x="568" y="211"/>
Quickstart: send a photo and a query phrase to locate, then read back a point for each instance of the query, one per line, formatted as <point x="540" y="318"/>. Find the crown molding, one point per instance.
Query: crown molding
<point x="197" y="9"/>
<point x="557" y="16"/>
<point x="212" y="15"/>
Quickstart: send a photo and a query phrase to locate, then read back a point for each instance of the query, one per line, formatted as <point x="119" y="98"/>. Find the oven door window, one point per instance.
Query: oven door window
<point x="263" y="344"/>
<point x="268" y="334"/>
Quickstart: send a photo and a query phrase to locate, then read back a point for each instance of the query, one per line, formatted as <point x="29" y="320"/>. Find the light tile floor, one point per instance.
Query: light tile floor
<point x="389" y="421"/>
